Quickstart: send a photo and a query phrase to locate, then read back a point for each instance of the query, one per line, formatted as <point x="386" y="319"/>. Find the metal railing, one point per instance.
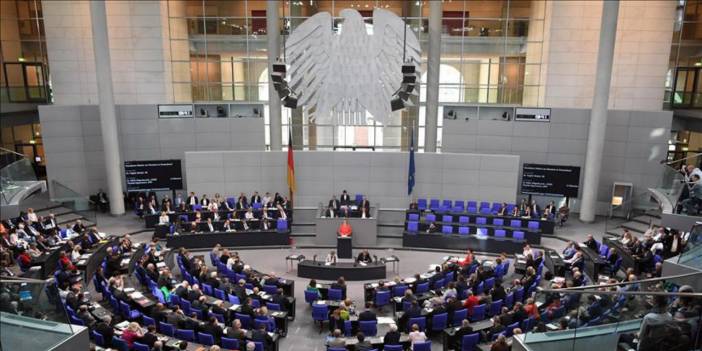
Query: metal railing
<point x="15" y="175"/>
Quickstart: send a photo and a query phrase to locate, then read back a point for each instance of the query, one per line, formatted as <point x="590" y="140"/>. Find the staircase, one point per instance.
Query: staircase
<point x="639" y="224"/>
<point x="63" y="213"/>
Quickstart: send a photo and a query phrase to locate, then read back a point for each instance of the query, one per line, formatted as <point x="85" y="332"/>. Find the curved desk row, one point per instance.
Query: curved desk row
<point x="462" y="242"/>
<point x="350" y="271"/>
<point x="229" y="239"/>
<point x="546" y="225"/>
<point x="150" y="220"/>
<point x="529" y="236"/>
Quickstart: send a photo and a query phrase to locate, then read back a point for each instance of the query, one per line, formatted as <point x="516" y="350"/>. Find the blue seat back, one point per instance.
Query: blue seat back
<point x="422" y="288"/>
<point x="119" y="344"/>
<point x="185" y="334"/>
<point x="369" y="328"/>
<point x="500" y="233"/>
<point x="459" y="316"/>
<point x="166" y="329"/>
<point x="464" y="230"/>
<point x="447" y="229"/>
<point x="413" y="217"/>
<point x="518" y="235"/>
<point x="481" y="220"/>
<point x="231" y="344"/>
<point x="478" y="313"/>
<point x="335" y="294"/>
<point x="533" y="225"/>
<point x="498" y="222"/>
<point x="382" y="298"/>
<point x="469" y="342"/>
<point x="140" y="347"/>
<point x="311" y="296"/>
<point x="430" y="217"/>
<point x="422" y="204"/>
<point x="419" y="321"/>
<point x="245" y="320"/>
<point x="320" y="312"/>
<point x="447" y="218"/>
<point x="413" y="227"/>
<point x="439" y="321"/>
<point x="422" y="346"/>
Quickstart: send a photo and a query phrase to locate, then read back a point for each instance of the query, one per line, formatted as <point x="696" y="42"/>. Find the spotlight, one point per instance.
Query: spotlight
<point x="290" y="101"/>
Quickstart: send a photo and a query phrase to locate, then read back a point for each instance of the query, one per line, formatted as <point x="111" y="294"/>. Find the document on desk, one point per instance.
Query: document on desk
<point x="386" y="320"/>
<point x="362" y="264"/>
<point x="328" y="264"/>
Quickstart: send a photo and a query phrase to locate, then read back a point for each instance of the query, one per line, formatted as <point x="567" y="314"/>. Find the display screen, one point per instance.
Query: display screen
<point x="153" y="175"/>
<point x="550" y="180"/>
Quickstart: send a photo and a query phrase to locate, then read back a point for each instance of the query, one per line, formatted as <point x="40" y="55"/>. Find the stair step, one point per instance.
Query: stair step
<point x="636" y="227"/>
<point x="618" y="232"/>
<point x="68" y="217"/>
<point x="57" y="211"/>
<point x="648" y="219"/>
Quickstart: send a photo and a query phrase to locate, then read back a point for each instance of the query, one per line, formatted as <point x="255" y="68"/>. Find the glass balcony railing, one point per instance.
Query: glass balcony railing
<point x="30" y="318"/>
<point x="609" y="314"/>
<point x="16" y="175"/>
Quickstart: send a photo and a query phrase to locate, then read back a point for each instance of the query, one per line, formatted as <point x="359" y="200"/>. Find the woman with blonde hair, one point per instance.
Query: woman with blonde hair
<point x="132" y="333"/>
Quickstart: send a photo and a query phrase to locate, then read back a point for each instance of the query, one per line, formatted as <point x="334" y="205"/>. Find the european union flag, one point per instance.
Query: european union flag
<point x="410" y="173"/>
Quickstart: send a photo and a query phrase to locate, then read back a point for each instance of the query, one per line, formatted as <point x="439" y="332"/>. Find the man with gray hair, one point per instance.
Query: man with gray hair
<point x="392" y="337"/>
<point x="337" y="341"/>
<point x="250" y="346"/>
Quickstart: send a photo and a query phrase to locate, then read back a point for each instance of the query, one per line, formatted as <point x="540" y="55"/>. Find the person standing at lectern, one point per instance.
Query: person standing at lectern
<point x="331" y="257"/>
<point x="364" y="257"/>
<point x="345" y="229"/>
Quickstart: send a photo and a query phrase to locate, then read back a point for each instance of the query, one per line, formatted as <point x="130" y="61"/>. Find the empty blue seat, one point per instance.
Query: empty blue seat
<point x="518" y="235"/>
<point x="231" y="344"/>
<point x="234" y="300"/>
<point x="335" y="294"/>
<point x="484" y="204"/>
<point x="533" y="225"/>
<point x="478" y="313"/>
<point x="220" y="294"/>
<point x="382" y="298"/>
<point x="472" y="209"/>
<point x="481" y="220"/>
<point x="439" y="322"/>
<point x="463" y="219"/>
<point x="399" y="290"/>
<point x="604" y="250"/>
<point x="119" y="344"/>
<point x="447" y="218"/>
<point x="369" y="328"/>
<point x="430" y="218"/>
<point x="282" y="225"/>
<point x="458" y="205"/>
<point x="273" y="306"/>
<point x="413" y="227"/>
<point x="447" y="229"/>
<point x="320" y="313"/>
<point x="422" y="346"/>
<point x="434" y="204"/>
<point x="446" y="205"/>
<point x="469" y="342"/>
<point x="413" y="217"/>
<point x="515" y="223"/>
<point x="422" y="288"/>
<point x="393" y="348"/>
<point x="500" y="233"/>
<point x="207" y="289"/>
<point x="485" y="210"/>
<point x="166" y="329"/>
<point x="498" y="222"/>
<point x="245" y="319"/>
<point x="185" y="334"/>
<point x="422" y="204"/>
<point x="311" y="296"/>
<point x="464" y="230"/>
<point x="205" y="339"/>
<point x="495" y="308"/>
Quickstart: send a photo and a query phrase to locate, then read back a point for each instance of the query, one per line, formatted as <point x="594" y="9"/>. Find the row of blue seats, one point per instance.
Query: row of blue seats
<point x="413" y="228"/>
<point x="461" y="206"/>
<point x="465" y="220"/>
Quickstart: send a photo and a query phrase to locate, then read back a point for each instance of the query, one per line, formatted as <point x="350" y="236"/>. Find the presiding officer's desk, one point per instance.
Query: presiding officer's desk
<point x="229" y="239"/>
<point x="365" y="230"/>
<point x="350" y="271"/>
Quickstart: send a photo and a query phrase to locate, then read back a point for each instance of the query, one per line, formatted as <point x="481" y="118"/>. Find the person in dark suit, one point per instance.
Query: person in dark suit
<point x="334" y="203"/>
<point x="413" y="311"/>
<point x="392" y="337"/>
<point x="498" y="291"/>
<point x="248" y="309"/>
<point x="235" y="331"/>
<point x="149" y="338"/>
<point x="364" y="257"/>
<point x="261" y="335"/>
<point x="365" y="204"/>
<point x="345" y="198"/>
<point x="255" y="198"/>
<point x="105" y="328"/>
<point x="279" y="299"/>
<point x="368" y="315"/>
<point x="591" y="243"/>
<point x="192" y="200"/>
<point x="465" y="329"/>
<point x="212" y="328"/>
<point x="363" y="344"/>
<point x="204" y="201"/>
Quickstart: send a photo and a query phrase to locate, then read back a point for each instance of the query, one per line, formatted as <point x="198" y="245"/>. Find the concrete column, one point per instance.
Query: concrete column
<point x="433" y="64"/>
<point x="598" y="115"/>
<point x="108" y="118"/>
<point x="273" y="35"/>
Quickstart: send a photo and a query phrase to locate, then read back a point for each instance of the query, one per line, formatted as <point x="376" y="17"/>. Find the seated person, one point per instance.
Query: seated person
<point x="364" y="257"/>
<point x="591" y="243"/>
<point x="163" y="219"/>
<point x="345" y="229"/>
<point x="334" y="203"/>
<point x="330" y="212"/>
<point x="345" y="199"/>
<point x="331" y="257"/>
<point x="432" y="228"/>
<point x="503" y="210"/>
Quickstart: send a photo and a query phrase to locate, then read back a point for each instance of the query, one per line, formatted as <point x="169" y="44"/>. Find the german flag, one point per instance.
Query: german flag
<point x="291" y="166"/>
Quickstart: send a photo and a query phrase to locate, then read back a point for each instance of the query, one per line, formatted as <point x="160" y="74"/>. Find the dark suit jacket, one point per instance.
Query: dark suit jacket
<point x="334" y="204"/>
<point x="148" y="339"/>
<point x="262" y="336"/>
<point x="106" y="331"/>
<point x="392" y="338"/>
<point x="367" y="315"/>
<point x="345" y="199"/>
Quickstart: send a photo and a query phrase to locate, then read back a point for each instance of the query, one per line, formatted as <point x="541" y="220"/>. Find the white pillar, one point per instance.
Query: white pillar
<point x="273" y="35"/>
<point x="433" y="64"/>
<point x="598" y="115"/>
<point x="108" y="119"/>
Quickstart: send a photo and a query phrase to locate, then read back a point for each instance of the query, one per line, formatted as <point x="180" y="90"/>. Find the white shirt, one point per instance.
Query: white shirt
<point x="32" y="217"/>
<point x="163" y="220"/>
<point x="417" y="336"/>
<point x="192" y="200"/>
<point x="249" y="215"/>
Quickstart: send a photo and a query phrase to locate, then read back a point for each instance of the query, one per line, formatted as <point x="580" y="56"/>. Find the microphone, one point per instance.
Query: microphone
<point x="314" y="258"/>
<point x="375" y="258"/>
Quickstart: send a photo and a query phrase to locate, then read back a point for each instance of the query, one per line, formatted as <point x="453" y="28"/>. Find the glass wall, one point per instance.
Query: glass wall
<point x="684" y="79"/>
<point x="24" y="74"/>
<point x="490" y="53"/>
